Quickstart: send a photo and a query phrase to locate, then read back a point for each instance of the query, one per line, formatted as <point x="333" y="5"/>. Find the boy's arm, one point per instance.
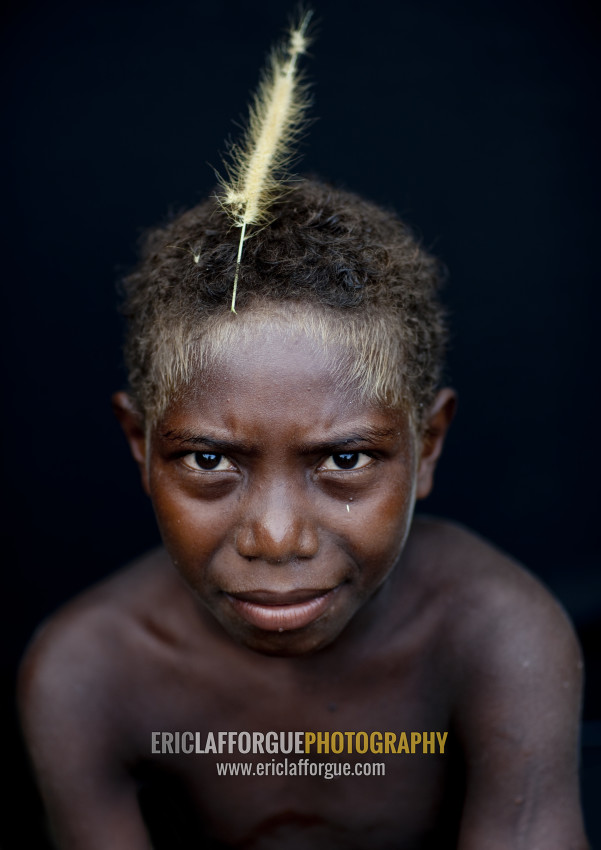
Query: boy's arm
<point x="518" y="719"/>
<point x="74" y="733"/>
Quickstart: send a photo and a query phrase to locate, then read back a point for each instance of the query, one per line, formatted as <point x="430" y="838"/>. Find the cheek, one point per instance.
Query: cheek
<point x="191" y="531"/>
<point x="377" y="525"/>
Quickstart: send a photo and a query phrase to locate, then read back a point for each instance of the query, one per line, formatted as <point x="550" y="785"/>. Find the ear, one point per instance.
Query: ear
<point x="435" y="430"/>
<point x="131" y="421"/>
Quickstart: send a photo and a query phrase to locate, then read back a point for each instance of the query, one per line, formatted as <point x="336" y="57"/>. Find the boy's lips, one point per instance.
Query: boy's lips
<point x="273" y="612"/>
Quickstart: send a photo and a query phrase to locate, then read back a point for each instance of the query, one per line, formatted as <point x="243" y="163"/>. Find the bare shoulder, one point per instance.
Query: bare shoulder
<point x="493" y="606"/>
<point x="81" y="689"/>
<point x="82" y="658"/>
<point x="513" y="670"/>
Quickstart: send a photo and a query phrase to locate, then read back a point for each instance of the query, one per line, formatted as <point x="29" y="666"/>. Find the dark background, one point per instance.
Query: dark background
<point x="477" y="121"/>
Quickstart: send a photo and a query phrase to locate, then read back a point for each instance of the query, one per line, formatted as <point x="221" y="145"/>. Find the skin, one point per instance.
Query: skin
<point x="296" y="592"/>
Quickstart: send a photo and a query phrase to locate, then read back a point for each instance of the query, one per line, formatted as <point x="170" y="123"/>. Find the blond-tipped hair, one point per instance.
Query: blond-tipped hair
<point x="347" y="272"/>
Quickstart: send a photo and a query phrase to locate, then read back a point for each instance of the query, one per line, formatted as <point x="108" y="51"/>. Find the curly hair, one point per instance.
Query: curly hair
<point x="345" y="270"/>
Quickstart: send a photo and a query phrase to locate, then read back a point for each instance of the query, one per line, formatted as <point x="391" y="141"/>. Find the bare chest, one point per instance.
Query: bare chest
<point x="361" y="757"/>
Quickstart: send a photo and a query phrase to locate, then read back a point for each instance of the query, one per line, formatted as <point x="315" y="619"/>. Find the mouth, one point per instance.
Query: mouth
<point x="280" y="612"/>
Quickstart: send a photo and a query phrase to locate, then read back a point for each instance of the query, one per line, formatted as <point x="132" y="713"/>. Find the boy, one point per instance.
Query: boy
<point x="298" y="619"/>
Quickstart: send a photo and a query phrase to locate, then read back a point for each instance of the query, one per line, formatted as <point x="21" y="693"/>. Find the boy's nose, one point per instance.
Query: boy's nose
<point x="277" y="529"/>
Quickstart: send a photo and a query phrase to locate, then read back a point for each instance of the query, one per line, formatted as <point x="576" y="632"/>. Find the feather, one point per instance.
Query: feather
<point x="255" y="168"/>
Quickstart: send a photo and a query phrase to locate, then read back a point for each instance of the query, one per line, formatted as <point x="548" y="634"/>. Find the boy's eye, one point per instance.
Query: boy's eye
<point x="346" y="460"/>
<point x="208" y="461"/>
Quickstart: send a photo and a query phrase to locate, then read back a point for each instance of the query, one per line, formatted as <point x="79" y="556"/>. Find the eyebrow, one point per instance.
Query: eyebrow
<point x="367" y="435"/>
<point x="192" y="438"/>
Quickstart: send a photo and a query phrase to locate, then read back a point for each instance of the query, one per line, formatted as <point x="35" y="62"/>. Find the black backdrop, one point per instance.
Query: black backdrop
<point x="477" y="120"/>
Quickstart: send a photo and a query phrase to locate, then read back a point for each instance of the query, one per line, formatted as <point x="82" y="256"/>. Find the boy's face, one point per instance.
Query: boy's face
<point x="283" y="502"/>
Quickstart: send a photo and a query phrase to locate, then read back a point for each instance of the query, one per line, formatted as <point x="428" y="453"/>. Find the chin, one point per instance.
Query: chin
<point x="289" y="644"/>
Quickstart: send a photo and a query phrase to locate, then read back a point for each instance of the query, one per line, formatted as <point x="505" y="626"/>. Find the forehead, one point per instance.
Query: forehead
<point x="279" y="375"/>
<point x="274" y="349"/>
<point x="283" y="362"/>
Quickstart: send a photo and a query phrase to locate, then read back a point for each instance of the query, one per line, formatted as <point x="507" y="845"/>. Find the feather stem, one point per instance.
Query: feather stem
<point x="238" y="261"/>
